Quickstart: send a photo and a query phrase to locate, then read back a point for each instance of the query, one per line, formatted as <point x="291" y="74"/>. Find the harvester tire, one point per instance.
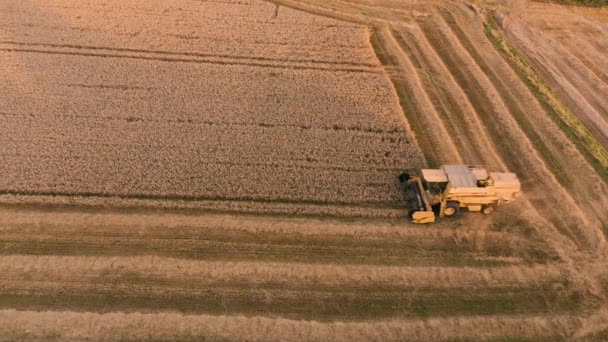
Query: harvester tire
<point x="488" y="209"/>
<point x="452" y="209"/>
<point x="404" y="177"/>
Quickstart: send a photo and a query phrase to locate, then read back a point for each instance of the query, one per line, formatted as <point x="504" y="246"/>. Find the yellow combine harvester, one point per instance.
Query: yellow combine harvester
<point x="446" y="190"/>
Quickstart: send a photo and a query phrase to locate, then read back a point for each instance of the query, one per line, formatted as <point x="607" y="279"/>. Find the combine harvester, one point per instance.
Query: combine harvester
<point x="452" y="187"/>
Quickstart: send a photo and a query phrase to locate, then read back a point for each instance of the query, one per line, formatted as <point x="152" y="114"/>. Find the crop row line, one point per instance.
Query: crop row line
<point x="189" y="54"/>
<point x="198" y="60"/>
<point x="189" y="121"/>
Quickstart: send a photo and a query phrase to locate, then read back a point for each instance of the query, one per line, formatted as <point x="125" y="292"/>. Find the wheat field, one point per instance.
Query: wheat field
<point x="227" y="170"/>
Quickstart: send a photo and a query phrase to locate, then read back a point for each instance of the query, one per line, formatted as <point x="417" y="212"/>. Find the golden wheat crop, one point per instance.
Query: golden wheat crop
<point x="288" y="117"/>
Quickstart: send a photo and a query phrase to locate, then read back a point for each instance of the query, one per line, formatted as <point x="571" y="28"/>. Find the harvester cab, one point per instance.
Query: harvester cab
<point x="445" y="191"/>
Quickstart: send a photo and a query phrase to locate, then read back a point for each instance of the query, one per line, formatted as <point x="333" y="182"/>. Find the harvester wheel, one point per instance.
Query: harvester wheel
<point x="452" y="209"/>
<point x="488" y="209"/>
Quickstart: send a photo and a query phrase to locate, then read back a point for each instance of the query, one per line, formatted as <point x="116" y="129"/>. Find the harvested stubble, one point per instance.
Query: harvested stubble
<point x="80" y="268"/>
<point x="104" y="261"/>
<point x="137" y="326"/>
<point x="226" y="238"/>
<point x="303" y="290"/>
<point x="108" y="261"/>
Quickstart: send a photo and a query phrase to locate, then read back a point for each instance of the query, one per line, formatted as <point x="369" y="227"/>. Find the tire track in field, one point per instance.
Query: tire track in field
<point x="189" y="54"/>
<point x="218" y="61"/>
<point x="331" y="11"/>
